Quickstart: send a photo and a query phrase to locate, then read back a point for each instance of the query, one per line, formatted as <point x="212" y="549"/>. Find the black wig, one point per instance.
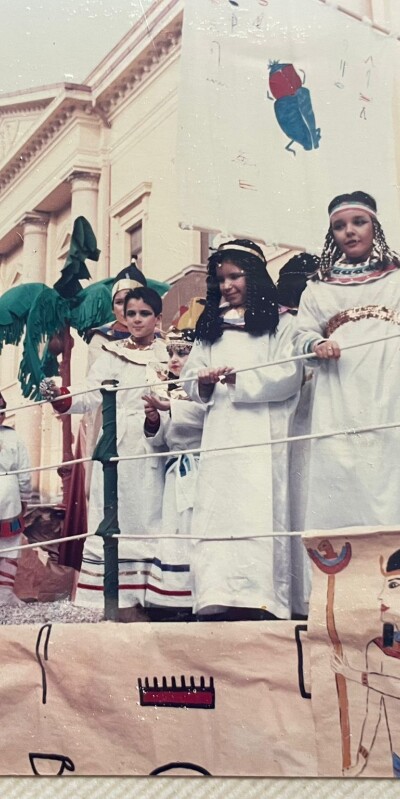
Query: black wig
<point x="293" y="278"/>
<point x="261" y="313"/>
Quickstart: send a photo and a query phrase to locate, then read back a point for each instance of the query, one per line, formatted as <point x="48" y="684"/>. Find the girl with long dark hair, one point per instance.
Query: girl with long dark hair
<point x="243" y="490"/>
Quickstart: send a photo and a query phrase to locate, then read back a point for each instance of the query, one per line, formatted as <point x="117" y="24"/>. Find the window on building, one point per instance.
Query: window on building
<point x="206" y="241"/>
<point x="136" y="243"/>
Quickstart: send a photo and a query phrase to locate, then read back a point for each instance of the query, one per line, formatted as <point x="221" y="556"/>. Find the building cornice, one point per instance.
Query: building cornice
<point x="57" y="115"/>
<point x="110" y="95"/>
<point x="139" y="55"/>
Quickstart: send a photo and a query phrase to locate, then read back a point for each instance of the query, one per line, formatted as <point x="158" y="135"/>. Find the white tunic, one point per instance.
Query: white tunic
<point x="180" y="430"/>
<point x="244" y="491"/>
<point x="140" y="482"/>
<point x="353" y="480"/>
<point x="298" y="482"/>
<point x="14" y="488"/>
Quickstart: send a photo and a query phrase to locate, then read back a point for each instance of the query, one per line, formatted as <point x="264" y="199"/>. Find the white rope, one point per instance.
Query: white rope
<point x="161" y="383"/>
<point x="150" y="536"/>
<point x="352" y="431"/>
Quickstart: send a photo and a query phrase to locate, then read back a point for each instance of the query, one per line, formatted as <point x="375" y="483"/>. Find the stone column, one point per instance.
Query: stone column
<point x="28" y="424"/>
<point x="84" y="196"/>
<point x="34" y="232"/>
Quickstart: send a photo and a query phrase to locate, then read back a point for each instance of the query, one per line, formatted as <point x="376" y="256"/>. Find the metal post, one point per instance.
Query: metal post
<point x="106" y="449"/>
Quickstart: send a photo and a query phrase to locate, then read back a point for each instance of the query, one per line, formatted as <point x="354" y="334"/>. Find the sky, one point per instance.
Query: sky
<point x="56" y="41"/>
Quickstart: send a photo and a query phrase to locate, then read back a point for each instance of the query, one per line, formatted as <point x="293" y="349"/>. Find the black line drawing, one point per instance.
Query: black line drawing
<point x="297" y="630"/>
<point x="46" y="657"/>
<point x="66" y="763"/>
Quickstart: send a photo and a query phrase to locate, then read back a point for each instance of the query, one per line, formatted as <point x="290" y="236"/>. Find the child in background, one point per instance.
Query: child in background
<point x="293" y="278"/>
<point x="15" y="493"/>
<point x="174" y="422"/>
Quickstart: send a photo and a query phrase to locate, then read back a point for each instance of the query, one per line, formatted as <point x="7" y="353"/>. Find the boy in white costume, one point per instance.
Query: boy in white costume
<point x="133" y="362"/>
<point x="15" y="493"/>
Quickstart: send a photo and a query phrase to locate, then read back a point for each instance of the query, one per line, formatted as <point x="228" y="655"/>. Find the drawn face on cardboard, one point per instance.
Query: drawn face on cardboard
<point x="389" y="598"/>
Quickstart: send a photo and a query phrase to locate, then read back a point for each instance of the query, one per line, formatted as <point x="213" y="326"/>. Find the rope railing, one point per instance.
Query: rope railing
<point x="165" y="537"/>
<point x="106" y="453"/>
<point x="161" y="383"/>
<point x="351" y="431"/>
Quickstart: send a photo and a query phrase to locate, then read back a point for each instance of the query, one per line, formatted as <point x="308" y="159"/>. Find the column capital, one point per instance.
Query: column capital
<point x="83" y="176"/>
<point x="36" y="219"/>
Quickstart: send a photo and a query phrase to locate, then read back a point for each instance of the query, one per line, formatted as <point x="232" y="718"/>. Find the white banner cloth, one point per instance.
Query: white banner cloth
<point x="283" y="105"/>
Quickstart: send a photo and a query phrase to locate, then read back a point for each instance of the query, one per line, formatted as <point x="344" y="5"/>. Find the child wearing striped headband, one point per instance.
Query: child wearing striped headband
<point x="349" y="318"/>
<point x="355" y="235"/>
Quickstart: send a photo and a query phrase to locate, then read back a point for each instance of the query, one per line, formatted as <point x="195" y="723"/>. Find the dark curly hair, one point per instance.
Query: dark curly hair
<point x="293" y="278"/>
<point x="261" y="314"/>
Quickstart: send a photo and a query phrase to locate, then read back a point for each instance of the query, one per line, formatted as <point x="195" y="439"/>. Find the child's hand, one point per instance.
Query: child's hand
<point x="158" y="404"/>
<point x="150" y="411"/>
<point x="212" y="376"/>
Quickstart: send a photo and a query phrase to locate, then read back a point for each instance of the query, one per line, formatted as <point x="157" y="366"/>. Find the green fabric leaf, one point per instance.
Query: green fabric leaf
<point x="92" y="307"/>
<point x="15" y="305"/>
<point x="83" y="245"/>
<point x="48" y="315"/>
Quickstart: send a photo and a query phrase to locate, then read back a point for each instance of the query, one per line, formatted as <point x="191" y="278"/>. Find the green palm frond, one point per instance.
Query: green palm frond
<point x="49" y="313"/>
<point x="15" y="305"/>
<point x="83" y="245"/>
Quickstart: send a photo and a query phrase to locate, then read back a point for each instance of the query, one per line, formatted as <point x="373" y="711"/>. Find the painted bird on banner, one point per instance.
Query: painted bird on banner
<point x="293" y="107"/>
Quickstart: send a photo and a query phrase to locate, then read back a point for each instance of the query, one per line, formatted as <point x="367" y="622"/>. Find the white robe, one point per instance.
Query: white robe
<point x="14" y="488"/>
<point x="353" y="480"/>
<point x="180" y="430"/>
<point x="298" y="482"/>
<point x="140" y="482"/>
<point x="244" y="491"/>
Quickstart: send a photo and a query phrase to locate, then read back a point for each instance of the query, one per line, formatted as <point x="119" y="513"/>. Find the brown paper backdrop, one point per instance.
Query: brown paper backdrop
<point x="261" y="725"/>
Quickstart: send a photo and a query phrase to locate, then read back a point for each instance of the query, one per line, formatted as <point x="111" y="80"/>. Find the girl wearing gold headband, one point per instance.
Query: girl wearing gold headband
<point x="244" y="490"/>
<point x="355" y="298"/>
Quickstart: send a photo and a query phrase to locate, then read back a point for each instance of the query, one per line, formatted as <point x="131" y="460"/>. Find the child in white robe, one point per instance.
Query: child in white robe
<point x="175" y="423"/>
<point x="132" y="362"/>
<point x="15" y="492"/>
<point x="244" y="490"/>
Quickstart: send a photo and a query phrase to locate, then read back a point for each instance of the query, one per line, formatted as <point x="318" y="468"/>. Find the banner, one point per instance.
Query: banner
<point x="283" y="105"/>
<point x="175" y="699"/>
<point x="354" y="639"/>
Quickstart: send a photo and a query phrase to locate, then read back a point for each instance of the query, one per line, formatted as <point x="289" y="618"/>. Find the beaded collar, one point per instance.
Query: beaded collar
<point x="349" y="274"/>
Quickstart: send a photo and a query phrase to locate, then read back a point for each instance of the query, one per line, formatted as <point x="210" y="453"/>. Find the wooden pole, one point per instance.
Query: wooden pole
<point x="65" y="373"/>
<point x="341" y="686"/>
